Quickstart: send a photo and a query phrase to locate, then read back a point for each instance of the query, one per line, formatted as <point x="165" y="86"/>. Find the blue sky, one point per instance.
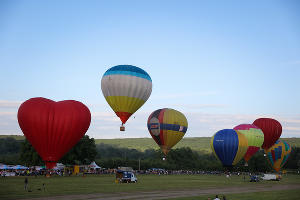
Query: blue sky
<point x="221" y="63"/>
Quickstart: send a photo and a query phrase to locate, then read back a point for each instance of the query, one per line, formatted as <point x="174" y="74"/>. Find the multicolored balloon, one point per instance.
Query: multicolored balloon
<point x="167" y="127"/>
<point x="272" y="130"/>
<point x="53" y="128"/>
<point x="229" y="146"/>
<point x="126" y="88"/>
<point x="278" y="154"/>
<point x="254" y="136"/>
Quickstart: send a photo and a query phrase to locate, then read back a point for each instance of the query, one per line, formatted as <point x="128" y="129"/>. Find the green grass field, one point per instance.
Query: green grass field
<point x="13" y="187"/>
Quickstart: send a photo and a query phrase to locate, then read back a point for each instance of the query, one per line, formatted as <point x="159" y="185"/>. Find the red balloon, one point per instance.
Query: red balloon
<point x="272" y="130"/>
<point x="53" y="128"/>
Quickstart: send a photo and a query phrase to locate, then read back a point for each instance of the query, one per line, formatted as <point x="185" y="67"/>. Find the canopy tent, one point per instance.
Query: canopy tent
<point x="5" y="167"/>
<point x="59" y="166"/>
<point x="94" y="165"/>
<point x="38" y="168"/>
<point x="19" y="167"/>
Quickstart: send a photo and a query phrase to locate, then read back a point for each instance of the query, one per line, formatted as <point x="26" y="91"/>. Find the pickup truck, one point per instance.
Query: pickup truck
<point x="125" y="177"/>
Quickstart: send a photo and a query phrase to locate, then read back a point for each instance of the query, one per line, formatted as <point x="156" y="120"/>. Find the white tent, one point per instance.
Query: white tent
<point x="59" y="166"/>
<point x="94" y="165"/>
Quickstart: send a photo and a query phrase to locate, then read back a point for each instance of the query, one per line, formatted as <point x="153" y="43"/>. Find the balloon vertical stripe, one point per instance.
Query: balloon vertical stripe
<point x="278" y="154"/>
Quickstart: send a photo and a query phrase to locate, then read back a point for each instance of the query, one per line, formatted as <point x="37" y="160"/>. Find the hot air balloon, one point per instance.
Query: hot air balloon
<point x="254" y="136"/>
<point x="53" y="128"/>
<point x="167" y="127"/>
<point x="229" y="146"/>
<point x="126" y="88"/>
<point x="278" y="154"/>
<point x="272" y="130"/>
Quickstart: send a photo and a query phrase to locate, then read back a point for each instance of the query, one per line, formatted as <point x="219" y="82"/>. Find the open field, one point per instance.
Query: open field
<point x="195" y="143"/>
<point x="148" y="187"/>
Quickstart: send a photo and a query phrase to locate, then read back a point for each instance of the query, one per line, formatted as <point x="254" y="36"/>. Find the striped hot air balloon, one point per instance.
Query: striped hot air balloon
<point x="229" y="146"/>
<point x="126" y="88"/>
<point x="254" y="136"/>
<point x="167" y="127"/>
<point x="278" y="154"/>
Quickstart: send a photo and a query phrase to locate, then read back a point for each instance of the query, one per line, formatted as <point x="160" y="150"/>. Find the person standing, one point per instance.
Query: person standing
<point x="217" y="198"/>
<point x="26" y="184"/>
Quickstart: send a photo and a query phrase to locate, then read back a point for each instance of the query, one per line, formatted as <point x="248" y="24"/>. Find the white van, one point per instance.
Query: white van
<point x="271" y="177"/>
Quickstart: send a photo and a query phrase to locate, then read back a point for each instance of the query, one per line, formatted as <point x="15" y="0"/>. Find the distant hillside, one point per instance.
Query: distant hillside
<point x="195" y="143"/>
<point x="17" y="137"/>
<point x="199" y="143"/>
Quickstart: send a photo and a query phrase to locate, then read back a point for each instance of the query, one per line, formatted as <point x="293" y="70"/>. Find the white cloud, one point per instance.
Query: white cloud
<point x="106" y="124"/>
<point x="9" y="104"/>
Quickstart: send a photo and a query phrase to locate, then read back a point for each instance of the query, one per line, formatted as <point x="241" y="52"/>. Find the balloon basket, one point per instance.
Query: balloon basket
<point x="122" y="128"/>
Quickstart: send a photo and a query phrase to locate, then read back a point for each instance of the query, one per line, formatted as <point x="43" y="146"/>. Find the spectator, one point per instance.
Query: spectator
<point x="26" y="184"/>
<point x="217" y="198"/>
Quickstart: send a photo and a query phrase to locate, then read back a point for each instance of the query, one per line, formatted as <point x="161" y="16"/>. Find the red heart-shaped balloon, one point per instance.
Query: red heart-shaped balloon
<point x="53" y="128"/>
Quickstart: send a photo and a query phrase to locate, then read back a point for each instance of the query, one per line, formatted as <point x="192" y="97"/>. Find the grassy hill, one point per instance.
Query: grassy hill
<point x="195" y="143"/>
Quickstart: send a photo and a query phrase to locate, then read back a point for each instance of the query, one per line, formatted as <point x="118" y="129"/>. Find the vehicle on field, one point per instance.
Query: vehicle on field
<point x="254" y="178"/>
<point x="271" y="177"/>
<point x="125" y="175"/>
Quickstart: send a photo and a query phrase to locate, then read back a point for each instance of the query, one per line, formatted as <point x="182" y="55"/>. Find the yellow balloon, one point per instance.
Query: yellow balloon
<point x="167" y="127"/>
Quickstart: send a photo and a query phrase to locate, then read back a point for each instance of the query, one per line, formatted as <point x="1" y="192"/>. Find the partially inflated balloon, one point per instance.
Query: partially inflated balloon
<point x="167" y="127"/>
<point x="272" y="130"/>
<point x="229" y="146"/>
<point x="126" y="88"/>
<point x="278" y="154"/>
<point x="53" y="128"/>
<point x="254" y="136"/>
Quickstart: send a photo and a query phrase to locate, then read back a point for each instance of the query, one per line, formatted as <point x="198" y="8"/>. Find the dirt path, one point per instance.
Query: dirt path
<point x="170" y="194"/>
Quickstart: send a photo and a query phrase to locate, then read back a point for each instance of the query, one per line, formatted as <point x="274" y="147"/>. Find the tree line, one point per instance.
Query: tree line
<point x="14" y="151"/>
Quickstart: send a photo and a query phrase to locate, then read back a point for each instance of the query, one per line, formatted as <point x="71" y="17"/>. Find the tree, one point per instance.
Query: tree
<point x="28" y="155"/>
<point x="84" y="152"/>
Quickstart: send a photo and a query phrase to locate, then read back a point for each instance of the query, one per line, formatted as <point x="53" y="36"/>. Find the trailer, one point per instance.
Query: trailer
<point x="271" y="177"/>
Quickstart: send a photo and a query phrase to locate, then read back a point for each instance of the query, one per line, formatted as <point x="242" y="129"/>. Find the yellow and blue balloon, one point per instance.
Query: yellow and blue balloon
<point x="229" y="146"/>
<point x="167" y="127"/>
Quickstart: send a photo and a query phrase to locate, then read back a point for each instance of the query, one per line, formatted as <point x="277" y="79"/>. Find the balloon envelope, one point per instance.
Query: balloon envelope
<point x="167" y="127"/>
<point x="126" y="88"/>
<point x="229" y="146"/>
<point x="53" y="128"/>
<point x="254" y="136"/>
<point x="278" y="154"/>
<point x="272" y="130"/>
